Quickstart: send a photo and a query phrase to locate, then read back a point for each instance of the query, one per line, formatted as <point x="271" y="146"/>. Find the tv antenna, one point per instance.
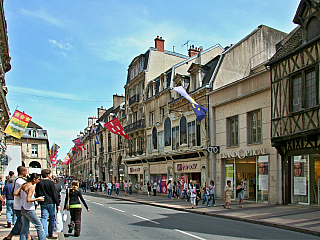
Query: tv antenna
<point x="187" y="43"/>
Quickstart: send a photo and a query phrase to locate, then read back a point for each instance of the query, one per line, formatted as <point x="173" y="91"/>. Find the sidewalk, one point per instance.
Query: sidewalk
<point x="298" y="218"/>
<point x="5" y="231"/>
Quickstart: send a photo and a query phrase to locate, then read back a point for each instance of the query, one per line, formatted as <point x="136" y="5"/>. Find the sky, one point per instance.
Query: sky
<point x="69" y="58"/>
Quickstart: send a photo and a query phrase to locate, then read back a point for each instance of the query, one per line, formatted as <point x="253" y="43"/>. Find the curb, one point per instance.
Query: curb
<point x="277" y="225"/>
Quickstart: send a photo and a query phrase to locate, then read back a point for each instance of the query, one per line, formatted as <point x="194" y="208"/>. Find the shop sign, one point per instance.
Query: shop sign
<point x="187" y="167"/>
<point x="213" y="149"/>
<point x="135" y="170"/>
<point x="242" y="153"/>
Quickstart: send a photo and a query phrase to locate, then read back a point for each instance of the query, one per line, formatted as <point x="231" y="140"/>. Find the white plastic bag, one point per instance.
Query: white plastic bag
<point x="59" y="223"/>
<point x="64" y="216"/>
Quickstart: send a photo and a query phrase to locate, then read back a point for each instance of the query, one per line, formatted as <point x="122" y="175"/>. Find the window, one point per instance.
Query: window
<point x="192" y="133"/>
<point x="183" y="130"/>
<point x="149" y="144"/>
<point x="233" y="131"/>
<point x="160" y="141"/>
<point x="33" y="133"/>
<point x="304" y="90"/>
<point x="151" y="119"/>
<point x="34" y="150"/>
<point x="313" y="28"/>
<point x="162" y="113"/>
<point x="140" y="145"/>
<point x="194" y="82"/>
<point x="167" y="132"/>
<point x="254" y="127"/>
<point x="175" y="138"/>
<point x="154" y="138"/>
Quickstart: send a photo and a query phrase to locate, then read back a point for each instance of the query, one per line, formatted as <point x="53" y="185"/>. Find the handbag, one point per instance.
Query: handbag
<point x="59" y="223"/>
<point x="64" y="216"/>
<point x="67" y="203"/>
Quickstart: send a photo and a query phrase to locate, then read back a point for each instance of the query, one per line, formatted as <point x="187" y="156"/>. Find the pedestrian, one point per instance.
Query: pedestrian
<point x="72" y="197"/>
<point x="109" y="188"/>
<point x="28" y="210"/>
<point x="211" y="192"/>
<point x="95" y="186"/>
<point x="178" y="187"/>
<point x="6" y="195"/>
<point x="206" y="194"/>
<point x="1" y="189"/>
<point x="130" y="187"/>
<point x="45" y="187"/>
<point x="84" y="186"/>
<point x="126" y="185"/>
<point x="117" y="185"/>
<point x="18" y="182"/>
<point x="169" y="188"/>
<point x="154" y="188"/>
<point x="240" y="190"/>
<point x="149" y="188"/>
<point x="198" y="191"/>
<point x="227" y="194"/>
<point x="185" y="191"/>
<point x="193" y="195"/>
<point x="58" y="188"/>
<point x="174" y="190"/>
<point x="10" y="175"/>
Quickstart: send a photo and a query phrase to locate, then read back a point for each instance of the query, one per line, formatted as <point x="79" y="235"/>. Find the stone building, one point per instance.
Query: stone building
<point x="239" y="113"/>
<point x="295" y="106"/>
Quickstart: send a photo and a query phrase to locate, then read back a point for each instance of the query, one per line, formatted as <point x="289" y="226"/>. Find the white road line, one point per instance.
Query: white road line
<point x="87" y="200"/>
<point x="98" y="203"/>
<point x="189" y="234"/>
<point x="116" y="209"/>
<point x="145" y="219"/>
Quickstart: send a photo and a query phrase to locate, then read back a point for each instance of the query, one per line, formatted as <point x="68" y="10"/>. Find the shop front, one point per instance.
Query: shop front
<point x="252" y="168"/>
<point x="159" y="174"/>
<point x="121" y="168"/>
<point x="186" y="171"/>
<point x="135" y="174"/>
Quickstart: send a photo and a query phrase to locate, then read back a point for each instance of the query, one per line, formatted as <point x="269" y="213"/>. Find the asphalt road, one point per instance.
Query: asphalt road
<point x="117" y="219"/>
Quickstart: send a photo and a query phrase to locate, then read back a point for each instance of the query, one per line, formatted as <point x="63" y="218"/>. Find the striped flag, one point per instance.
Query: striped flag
<point x="18" y="124"/>
<point x="54" y="149"/>
<point x="115" y="127"/>
<point x="95" y="134"/>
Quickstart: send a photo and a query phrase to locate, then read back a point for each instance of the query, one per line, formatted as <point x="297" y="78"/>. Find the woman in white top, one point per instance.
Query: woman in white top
<point x="193" y="195"/>
<point x="28" y="212"/>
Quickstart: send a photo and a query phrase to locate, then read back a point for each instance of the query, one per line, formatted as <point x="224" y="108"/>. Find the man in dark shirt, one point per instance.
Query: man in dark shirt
<point x="45" y="188"/>
<point x="6" y="196"/>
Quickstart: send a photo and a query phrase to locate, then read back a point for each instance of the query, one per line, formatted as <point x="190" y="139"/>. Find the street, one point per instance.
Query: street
<point x="118" y="219"/>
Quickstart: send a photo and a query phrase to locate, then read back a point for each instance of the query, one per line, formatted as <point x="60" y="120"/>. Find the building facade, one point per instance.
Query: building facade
<point x="295" y="126"/>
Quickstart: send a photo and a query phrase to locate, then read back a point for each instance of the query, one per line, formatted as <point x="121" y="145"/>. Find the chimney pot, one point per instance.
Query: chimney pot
<point x="159" y="44"/>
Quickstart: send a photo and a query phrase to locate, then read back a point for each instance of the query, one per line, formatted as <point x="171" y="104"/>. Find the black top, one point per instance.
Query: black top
<point x="73" y="197"/>
<point x="47" y="189"/>
<point x="58" y="189"/>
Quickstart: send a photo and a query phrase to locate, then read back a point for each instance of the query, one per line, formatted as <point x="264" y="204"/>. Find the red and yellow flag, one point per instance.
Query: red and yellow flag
<point x="18" y="124"/>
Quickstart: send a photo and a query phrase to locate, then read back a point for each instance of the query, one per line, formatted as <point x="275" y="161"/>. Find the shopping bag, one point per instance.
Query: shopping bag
<point x="59" y="223"/>
<point x="64" y="216"/>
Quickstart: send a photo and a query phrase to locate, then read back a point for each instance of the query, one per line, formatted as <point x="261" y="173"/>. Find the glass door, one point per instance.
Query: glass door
<point x="230" y="174"/>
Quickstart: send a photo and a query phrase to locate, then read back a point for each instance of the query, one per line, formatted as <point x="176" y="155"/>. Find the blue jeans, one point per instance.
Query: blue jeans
<point x="169" y="193"/>
<point x="84" y="189"/>
<point x="117" y="191"/>
<point x="27" y="217"/>
<point x="10" y="211"/>
<point x="16" y="230"/>
<point x="178" y="193"/>
<point x="110" y="192"/>
<point x="185" y="194"/>
<point x="48" y="211"/>
<point x="205" y="199"/>
<point x="130" y="190"/>
<point x="212" y="196"/>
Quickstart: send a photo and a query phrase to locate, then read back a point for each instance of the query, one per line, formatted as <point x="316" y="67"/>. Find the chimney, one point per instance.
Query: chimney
<point x="193" y="51"/>
<point x="159" y="44"/>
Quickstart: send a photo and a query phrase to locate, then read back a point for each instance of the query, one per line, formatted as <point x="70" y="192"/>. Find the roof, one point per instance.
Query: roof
<point x="33" y="125"/>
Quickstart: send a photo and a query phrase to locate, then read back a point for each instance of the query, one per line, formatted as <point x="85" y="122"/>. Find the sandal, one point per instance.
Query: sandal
<point x="224" y="206"/>
<point x="229" y="208"/>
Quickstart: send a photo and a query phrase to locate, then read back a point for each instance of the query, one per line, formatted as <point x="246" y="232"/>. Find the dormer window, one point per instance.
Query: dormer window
<point x="33" y="133"/>
<point x="194" y="81"/>
<point x="313" y="28"/>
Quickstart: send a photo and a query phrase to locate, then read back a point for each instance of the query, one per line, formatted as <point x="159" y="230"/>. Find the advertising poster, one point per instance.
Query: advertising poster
<point x="300" y="186"/>
<point x="159" y="184"/>
<point x="164" y="184"/>
<point x="263" y="167"/>
<point x="229" y="172"/>
<point x="184" y="178"/>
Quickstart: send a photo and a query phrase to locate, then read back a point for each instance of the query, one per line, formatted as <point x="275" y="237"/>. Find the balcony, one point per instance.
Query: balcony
<point x="135" y="126"/>
<point x="133" y="99"/>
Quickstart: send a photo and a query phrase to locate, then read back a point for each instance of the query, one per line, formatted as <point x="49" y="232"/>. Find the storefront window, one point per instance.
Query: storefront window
<point x="229" y="172"/>
<point x="300" y="166"/>
<point x="263" y="178"/>
<point x="170" y="174"/>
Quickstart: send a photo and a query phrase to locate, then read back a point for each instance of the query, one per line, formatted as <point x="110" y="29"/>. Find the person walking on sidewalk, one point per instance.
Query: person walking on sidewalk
<point x="149" y="188"/>
<point x="169" y="187"/>
<point x="6" y="195"/>
<point x="109" y="188"/>
<point x="18" y="182"/>
<point x="174" y="190"/>
<point x="198" y="188"/>
<point x="155" y="188"/>
<point x="227" y="194"/>
<point x="72" y="196"/>
<point x="28" y="210"/>
<point x="212" y="195"/>
<point x="240" y="190"/>
<point x="206" y="194"/>
<point x="130" y="187"/>
<point x="186" y="191"/>
<point x="117" y="188"/>
<point x="178" y="187"/>
<point x="45" y="187"/>
<point x="58" y="188"/>
<point x="193" y="195"/>
<point x="126" y="186"/>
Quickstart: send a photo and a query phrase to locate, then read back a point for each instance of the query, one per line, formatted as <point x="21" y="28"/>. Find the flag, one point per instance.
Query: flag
<point x="54" y="149"/>
<point x="79" y="144"/>
<point x="18" y="124"/>
<point x="200" y="111"/>
<point x="115" y="127"/>
<point x="95" y="134"/>
<point x="66" y="160"/>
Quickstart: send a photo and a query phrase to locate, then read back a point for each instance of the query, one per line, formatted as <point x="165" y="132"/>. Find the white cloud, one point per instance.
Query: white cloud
<point x="44" y="16"/>
<point x="61" y="45"/>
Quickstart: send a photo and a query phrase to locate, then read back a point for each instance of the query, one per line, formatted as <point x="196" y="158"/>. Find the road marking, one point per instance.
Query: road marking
<point x="87" y="200"/>
<point x="116" y="209"/>
<point x="189" y="234"/>
<point x="98" y="203"/>
<point x="145" y="219"/>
